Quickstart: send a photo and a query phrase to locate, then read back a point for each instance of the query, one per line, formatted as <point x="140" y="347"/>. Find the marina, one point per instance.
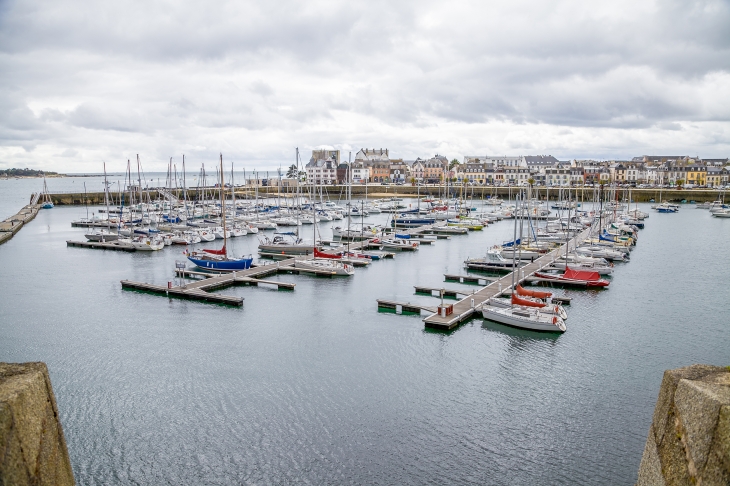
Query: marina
<point x="264" y="327"/>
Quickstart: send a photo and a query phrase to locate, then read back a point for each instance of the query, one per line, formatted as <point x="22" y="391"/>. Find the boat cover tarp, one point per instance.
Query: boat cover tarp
<point x="222" y="251"/>
<point x="512" y="243"/>
<point x="322" y="254"/>
<point x="526" y="302"/>
<point x="581" y="274"/>
<point x="532" y="293"/>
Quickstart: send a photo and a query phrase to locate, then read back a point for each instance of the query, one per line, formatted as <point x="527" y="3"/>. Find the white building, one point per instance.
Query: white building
<point x="360" y="173"/>
<point x="372" y="155"/>
<point x="557" y="177"/>
<point x="321" y="172"/>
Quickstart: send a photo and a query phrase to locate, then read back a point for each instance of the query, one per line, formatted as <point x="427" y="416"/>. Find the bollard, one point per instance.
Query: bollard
<point x="500" y="288"/>
<point x="169" y="285"/>
<point x="472" y="303"/>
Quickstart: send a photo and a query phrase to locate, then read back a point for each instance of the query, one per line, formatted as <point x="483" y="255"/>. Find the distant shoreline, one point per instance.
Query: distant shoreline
<point x="48" y="176"/>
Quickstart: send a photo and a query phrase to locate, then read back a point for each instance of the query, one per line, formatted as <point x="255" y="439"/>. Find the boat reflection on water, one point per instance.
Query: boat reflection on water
<point x="520" y="338"/>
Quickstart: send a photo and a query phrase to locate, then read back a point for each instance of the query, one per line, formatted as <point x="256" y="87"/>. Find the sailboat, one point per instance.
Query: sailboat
<point x="46" y="200"/>
<point x="218" y="259"/>
<point x="322" y="261"/>
<point x="101" y="234"/>
<point x="519" y="314"/>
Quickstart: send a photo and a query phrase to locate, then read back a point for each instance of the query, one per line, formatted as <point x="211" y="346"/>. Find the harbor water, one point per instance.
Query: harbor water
<point x="316" y="386"/>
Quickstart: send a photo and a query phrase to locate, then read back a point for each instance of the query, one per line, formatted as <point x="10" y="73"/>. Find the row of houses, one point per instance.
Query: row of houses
<point x="376" y="166"/>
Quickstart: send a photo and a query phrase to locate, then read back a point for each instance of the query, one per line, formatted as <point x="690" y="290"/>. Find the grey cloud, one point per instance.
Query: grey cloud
<point x="250" y="77"/>
<point x="69" y="153"/>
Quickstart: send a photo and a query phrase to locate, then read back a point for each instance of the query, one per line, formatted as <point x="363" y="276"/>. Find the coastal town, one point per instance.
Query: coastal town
<point x="376" y="166"/>
<point x="365" y="243"/>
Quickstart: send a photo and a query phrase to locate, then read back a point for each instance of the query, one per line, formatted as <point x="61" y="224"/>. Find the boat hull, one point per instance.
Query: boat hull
<point x="543" y="323"/>
<point x="223" y="265"/>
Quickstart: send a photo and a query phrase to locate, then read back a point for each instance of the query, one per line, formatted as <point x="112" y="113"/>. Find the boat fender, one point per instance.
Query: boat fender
<point x="555" y="319"/>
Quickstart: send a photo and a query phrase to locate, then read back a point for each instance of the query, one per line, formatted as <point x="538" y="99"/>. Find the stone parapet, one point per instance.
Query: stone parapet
<point x="32" y="446"/>
<point x="689" y="438"/>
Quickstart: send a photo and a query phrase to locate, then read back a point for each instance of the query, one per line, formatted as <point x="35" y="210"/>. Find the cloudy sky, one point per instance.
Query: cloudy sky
<point x="86" y="82"/>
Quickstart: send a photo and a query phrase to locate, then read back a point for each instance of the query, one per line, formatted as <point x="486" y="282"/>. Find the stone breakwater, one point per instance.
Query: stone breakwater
<point x="32" y="445"/>
<point x="689" y="437"/>
<point x="12" y="225"/>
<point x="377" y="191"/>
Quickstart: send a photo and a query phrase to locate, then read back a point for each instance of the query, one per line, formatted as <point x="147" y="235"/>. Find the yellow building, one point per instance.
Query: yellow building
<point x="696" y="175"/>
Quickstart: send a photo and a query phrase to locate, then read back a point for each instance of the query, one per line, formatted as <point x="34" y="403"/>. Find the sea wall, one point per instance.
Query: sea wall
<point x="32" y="446"/>
<point x="378" y="191"/>
<point x="689" y="437"/>
<point x="12" y="225"/>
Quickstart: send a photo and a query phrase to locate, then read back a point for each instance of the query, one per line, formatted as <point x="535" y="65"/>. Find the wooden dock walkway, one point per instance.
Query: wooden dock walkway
<point x="467" y="306"/>
<point x="209" y="281"/>
<point x="201" y="289"/>
<point x="403" y="307"/>
<point x="99" y="245"/>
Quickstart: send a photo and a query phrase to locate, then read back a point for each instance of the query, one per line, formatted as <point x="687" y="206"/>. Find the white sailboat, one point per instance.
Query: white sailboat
<point x="531" y="318"/>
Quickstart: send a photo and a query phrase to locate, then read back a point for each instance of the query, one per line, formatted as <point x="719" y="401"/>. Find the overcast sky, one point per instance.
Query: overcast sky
<point x="86" y="82"/>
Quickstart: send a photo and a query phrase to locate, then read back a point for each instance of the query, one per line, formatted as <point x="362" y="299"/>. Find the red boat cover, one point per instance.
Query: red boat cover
<point x="529" y="303"/>
<point x="222" y="251"/>
<point x="533" y="293"/>
<point x="581" y="275"/>
<point x="321" y="254"/>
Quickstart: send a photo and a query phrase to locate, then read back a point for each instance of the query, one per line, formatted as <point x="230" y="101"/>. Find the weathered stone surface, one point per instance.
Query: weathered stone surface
<point x="720" y="450"/>
<point x="698" y="405"/>
<point x="690" y="432"/>
<point x="650" y="470"/>
<point x="666" y="393"/>
<point x="32" y="446"/>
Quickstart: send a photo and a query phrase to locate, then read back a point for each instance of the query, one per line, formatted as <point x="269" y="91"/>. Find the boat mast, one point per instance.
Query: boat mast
<point x="567" y="232"/>
<point x="514" y="240"/>
<point x="233" y="192"/>
<point x="223" y="212"/>
<point x="106" y="198"/>
<point x="349" y="201"/>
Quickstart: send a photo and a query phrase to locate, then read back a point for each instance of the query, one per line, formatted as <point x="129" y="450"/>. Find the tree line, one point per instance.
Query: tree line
<point x="24" y="172"/>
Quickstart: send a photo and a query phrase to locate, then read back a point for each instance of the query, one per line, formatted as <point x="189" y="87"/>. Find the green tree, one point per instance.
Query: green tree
<point x="453" y="164"/>
<point x="531" y="181"/>
<point x="292" y="172"/>
<point x="680" y="183"/>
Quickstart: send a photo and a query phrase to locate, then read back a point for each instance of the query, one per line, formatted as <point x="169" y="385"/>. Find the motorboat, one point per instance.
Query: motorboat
<point x="666" y="208"/>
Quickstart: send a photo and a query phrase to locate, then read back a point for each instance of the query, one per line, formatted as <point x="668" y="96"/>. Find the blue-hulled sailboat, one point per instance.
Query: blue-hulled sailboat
<point x="218" y="259"/>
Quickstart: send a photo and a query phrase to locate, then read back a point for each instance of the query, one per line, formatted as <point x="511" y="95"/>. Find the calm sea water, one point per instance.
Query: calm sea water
<point x="315" y="386"/>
